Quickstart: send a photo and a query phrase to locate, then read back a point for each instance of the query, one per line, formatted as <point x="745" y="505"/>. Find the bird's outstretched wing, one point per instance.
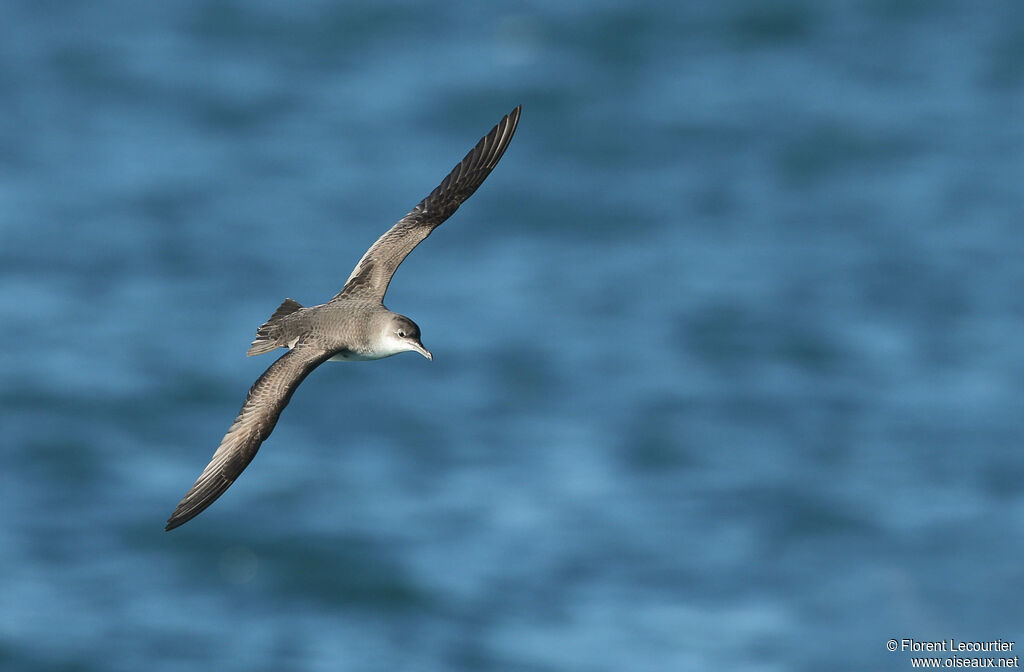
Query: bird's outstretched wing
<point x="263" y="405"/>
<point x="371" y="276"/>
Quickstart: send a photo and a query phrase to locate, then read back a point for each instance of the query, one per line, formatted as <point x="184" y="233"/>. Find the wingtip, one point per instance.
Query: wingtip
<point x="187" y="509"/>
<point x="175" y="520"/>
<point x="182" y="515"/>
<point x="492" y="146"/>
<point x="514" y="115"/>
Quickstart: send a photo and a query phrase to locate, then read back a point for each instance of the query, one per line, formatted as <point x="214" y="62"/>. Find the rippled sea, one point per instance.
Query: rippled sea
<point x="728" y="349"/>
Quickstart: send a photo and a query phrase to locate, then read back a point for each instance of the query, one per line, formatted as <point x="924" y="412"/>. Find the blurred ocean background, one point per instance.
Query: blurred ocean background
<point x="728" y="349"/>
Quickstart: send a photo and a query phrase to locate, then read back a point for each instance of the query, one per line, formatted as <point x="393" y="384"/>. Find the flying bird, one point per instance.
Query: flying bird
<point x="352" y="326"/>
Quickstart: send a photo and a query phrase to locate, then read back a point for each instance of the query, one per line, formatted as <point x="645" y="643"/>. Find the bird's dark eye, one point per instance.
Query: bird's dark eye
<point x="401" y="333"/>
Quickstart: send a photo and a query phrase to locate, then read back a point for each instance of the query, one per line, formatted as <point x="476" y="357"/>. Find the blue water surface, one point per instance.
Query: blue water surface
<point x="728" y="360"/>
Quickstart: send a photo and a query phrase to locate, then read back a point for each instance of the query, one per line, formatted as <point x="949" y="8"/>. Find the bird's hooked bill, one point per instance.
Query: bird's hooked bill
<point x="423" y="351"/>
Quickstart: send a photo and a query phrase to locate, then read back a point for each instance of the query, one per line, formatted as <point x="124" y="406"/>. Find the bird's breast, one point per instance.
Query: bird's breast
<point x="351" y="356"/>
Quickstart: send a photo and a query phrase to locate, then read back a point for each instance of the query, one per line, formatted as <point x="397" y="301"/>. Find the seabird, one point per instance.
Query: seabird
<point x="352" y="326"/>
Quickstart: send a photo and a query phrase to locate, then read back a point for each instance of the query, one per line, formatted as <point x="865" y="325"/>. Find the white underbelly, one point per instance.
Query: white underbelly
<point x="350" y="356"/>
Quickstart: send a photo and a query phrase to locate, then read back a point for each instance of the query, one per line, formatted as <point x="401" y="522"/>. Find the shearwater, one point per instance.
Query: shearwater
<point x="352" y="326"/>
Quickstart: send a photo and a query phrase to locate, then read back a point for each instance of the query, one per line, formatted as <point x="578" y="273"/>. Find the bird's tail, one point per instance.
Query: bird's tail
<point x="268" y="336"/>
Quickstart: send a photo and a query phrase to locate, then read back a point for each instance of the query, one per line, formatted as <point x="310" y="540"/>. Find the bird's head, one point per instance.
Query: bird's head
<point x="404" y="336"/>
